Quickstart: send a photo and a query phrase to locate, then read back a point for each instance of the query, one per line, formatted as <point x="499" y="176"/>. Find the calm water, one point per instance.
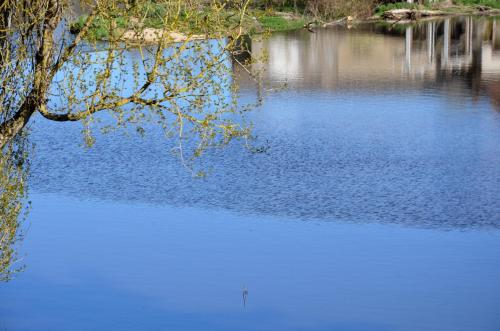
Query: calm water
<point x="376" y="206"/>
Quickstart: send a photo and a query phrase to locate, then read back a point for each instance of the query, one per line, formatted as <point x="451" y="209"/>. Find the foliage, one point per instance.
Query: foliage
<point x="397" y="5"/>
<point x="340" y="8"/>
<point x="13" y="175"/>
<point x="185" y="88"/>
<point x="360" y="8"/>
<point x="487" y="3"/>
<point x="322" y="8"/>
<point x="100" y="27"/>
<point x="152" y="14"/>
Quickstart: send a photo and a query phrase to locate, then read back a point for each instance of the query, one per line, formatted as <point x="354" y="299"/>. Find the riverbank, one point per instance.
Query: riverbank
<point x="407" y="12"/>
<point x="257" y="21"/>
<point x="151" y="29"/>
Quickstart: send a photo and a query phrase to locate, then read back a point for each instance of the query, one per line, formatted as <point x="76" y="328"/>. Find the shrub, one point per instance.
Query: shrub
<point x="341" y="8"/>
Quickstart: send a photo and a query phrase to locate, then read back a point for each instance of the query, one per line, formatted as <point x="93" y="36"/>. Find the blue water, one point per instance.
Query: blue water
<point x="103" y="265"/>
<point x="435" y="165"/>
<point x="374" y="207"/>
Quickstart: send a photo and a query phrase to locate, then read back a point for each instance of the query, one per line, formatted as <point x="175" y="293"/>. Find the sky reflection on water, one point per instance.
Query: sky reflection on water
<point x="107" y="266"/>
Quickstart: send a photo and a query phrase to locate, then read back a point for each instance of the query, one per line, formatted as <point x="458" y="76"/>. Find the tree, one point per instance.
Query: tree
<point x="33" y="57"/>
<point x="186" y="88"/>
<point x="13" y="174"/>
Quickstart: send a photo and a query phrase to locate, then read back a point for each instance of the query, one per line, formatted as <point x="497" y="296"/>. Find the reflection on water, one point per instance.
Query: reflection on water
<point x="13" y="175"/>
<point x="107" y="266"/>
<point x="460" y="55"/>
<point x="361" y="135"/>
<point x="380" y="124"/>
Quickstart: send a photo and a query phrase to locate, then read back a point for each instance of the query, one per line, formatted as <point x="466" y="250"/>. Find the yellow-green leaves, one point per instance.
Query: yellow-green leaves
<point x="13" y="175"/>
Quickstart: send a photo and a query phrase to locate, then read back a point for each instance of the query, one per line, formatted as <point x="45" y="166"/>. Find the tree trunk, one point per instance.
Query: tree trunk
<point x="12" y="127"/>
<point x="35" y="99"/>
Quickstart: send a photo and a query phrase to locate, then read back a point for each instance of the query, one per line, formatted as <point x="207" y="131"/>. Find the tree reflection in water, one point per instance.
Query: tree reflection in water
<point x="13" y="204"/>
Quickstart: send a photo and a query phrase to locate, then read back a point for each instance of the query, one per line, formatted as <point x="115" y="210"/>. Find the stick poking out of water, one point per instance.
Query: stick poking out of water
<point x="245" y="296"/>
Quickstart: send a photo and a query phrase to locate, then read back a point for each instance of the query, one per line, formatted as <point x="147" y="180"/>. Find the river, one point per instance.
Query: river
<point x="375" y="205"/>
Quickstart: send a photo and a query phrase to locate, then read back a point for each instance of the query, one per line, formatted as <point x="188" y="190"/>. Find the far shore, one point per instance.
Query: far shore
<point x="283" y="21"/>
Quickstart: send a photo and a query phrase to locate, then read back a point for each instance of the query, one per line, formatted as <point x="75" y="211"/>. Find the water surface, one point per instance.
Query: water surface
<point x="375" y="206"/>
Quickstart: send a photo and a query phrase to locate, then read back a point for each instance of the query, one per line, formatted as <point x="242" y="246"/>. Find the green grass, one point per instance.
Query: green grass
<point x="278" y="23"/>
<point x="100" y="28"/>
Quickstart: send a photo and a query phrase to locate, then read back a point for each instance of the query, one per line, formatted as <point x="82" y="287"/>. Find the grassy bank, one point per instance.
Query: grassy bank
<point x="279" y="23"/>
<point x="260" y="20"/>
<point x="256" y="20"/>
